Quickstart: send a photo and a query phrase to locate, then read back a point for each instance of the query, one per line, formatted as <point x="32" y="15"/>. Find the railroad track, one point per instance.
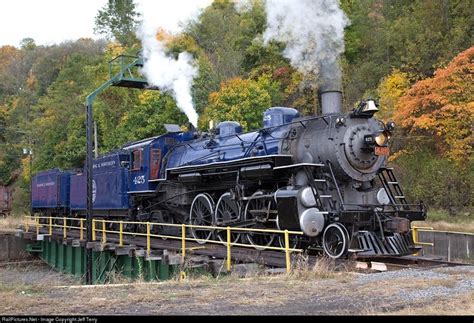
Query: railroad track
<point x="216" y="252"/>
<point x="376" y="264"/>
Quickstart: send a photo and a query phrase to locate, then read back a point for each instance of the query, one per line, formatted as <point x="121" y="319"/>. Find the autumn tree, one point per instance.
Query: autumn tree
<point x="390" y="90"/>
<point x="443" y="107"/>
<point x="413" y="36"/>
<point x="238" y="100"/>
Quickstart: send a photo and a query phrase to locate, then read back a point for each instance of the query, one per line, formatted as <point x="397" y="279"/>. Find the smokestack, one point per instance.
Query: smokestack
<point x="330" y="100"/>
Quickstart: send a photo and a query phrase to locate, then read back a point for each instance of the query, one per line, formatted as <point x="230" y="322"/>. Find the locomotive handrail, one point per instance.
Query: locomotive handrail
<point x="100" y="226"/>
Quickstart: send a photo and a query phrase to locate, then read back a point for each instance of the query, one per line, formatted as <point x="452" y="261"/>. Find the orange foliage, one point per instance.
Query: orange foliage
<point x="7" y="54"/>
<point x="443" y="107"/>
<point x="163" y="36"/>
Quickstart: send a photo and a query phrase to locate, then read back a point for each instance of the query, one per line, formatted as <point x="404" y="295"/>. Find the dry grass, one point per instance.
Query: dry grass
<point x="447" y="226"/>
<point x="454" y="305"/>
<point x="10" y="224"/>
<point x="323" y="268"/>
<point x="296" y="293"/>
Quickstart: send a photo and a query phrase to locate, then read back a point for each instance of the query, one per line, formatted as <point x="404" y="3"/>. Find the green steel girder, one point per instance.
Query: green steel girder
<point x="34" y="247"/>
<point x="72" y="260"/>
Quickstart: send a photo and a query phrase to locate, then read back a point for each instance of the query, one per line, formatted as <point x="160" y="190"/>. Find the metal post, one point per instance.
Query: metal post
<point x="89" y="205"/>
<point x="121" y="234"/>
<point x="64" y="229"/>
<point x="104" y="235"/>
<point x="228" y="248"/>
<point x="50" y="226"/>
<point x="183" y="241"/>
<point x="148" y="244"/>
<point x="93" y="230"/>
<point x="26" y="224"/>
<point x="30" y="171"/>
<point x="287" y="251"/>
<point x="114" y="80"/>
<point x="414" y="234"/>
<point x="37" y="226"/>
<point x="82" y="229"/>
<point x="96" y="144"/>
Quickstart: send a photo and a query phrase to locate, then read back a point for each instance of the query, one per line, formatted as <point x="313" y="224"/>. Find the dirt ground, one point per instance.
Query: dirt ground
<point x="34" y="289"/>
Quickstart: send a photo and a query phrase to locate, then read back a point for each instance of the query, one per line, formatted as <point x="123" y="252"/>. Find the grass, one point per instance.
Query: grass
<point x="441" y="220"/>
<point x="323" y="268"/>
<point x="11" y="223"/>
<point x="456" y="305"/>
<point x="316" y="288"/>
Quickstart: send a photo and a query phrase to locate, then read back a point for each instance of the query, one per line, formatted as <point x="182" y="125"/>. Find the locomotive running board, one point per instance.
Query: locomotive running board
<point x="191" y="172"/>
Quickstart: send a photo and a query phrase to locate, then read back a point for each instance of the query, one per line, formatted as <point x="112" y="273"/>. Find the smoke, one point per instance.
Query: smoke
<point x="167" y="73"/>
<point x="313" y="31"/>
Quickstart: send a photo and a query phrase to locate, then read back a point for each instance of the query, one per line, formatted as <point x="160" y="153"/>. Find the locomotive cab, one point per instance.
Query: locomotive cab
<point x="146" y="158"/>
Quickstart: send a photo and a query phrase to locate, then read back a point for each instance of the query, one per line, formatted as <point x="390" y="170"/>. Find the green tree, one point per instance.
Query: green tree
<point x="238" y="100"/>
<point x="148" y="117"/>
<point x="3" y="123"/>
<point x="57" y="110"/>
<point x="27" y="43"/>
<point x="118" y="19"/>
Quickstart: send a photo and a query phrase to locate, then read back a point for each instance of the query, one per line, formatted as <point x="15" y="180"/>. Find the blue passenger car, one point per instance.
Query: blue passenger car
<point x="109" y="186"/>
<point x="50" y="191"/>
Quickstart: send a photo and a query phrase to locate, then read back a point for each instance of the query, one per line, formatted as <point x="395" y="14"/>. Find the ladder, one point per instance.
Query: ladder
<point x="392" y="187"/>
<point x="324" y="201"/>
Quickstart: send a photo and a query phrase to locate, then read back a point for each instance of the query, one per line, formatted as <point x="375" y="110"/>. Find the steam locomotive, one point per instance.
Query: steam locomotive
<point x="325" y="175"/>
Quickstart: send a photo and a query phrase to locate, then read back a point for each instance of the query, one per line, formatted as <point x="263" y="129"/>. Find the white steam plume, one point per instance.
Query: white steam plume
<point x="167" y="73"/>
<point x="313" y="31"/>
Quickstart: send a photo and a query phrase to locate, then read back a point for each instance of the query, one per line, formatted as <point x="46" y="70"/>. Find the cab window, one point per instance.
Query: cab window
<point x="155" y="163"/>
<point x="137" y="159"/>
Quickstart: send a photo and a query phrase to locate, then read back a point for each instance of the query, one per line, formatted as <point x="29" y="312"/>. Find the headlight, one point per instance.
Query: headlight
<point x="381" y="139"/>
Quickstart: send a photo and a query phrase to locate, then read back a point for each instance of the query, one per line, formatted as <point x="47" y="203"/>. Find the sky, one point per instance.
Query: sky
<point x="54" y="21"/>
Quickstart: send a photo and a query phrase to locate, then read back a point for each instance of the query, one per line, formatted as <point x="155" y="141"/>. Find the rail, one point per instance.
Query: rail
<point x="415" y="231"/>
<point x="99" y="226"/>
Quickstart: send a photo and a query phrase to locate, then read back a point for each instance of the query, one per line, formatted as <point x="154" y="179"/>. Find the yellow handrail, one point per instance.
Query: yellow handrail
<point x="415" y="235"/>
<point x="287" y="252"/>
<point x="104" y="235"/>
<point x="183" y="241"/>
<point x="93" y="230"/>
<point x="82" y="229"/>
<point x="228" y="249"/>
<point x="229" y="230"/>
<point x="50" y="226"/>
<point x="148" y="242"/>
<point x="64" y="228"/>
<point x="121" y="234"/>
